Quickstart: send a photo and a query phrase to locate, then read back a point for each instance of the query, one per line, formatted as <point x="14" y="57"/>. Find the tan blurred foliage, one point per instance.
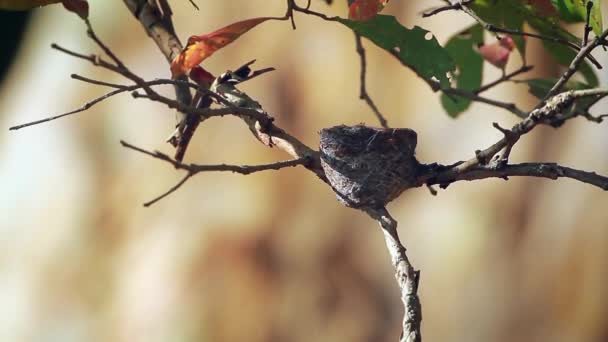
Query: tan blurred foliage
<point x="273" y="256"/>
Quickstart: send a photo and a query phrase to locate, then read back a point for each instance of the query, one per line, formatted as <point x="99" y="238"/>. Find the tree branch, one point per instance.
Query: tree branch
<point x="541" y="170"/>
<point x="544" y="114"/>
<point x="504" y="78"/>
<point x="159" y="28"/>
<point x="574" y="65"/>
<point x="407" y="277"/>
<point x="119" y="89"/>
<point x="193" y="169"/>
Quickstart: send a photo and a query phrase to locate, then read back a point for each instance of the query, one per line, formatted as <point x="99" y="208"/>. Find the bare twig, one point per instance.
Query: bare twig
<point x="194" y="5"/>
<point x="587" y="26"/>
<point x="193" y="169"/>
<point x="78" y="110"/>
<point x="504" y="78"/>
<point x="119" y="90"/>
<point x="363" y="95"/>
<point x="170" y="191"/>
<point x="293" y="7"/>
<point x="511" y="107"/>
<point x="449" y="7"/>
<point x="97" y="82"/>
<point x="94" y="59"/>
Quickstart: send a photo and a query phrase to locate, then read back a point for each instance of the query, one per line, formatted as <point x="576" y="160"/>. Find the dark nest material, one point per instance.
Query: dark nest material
<point x="367" y="166"/>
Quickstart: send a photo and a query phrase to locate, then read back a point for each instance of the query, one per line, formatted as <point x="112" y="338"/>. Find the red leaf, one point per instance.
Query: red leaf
<point x="203" y="46"/>
<point x="543" y="7"/>
<point x="362" y="10"/>
<point x="201" y="76"/>
<point x="80" y="7"/>
<point x="496" y="53"/>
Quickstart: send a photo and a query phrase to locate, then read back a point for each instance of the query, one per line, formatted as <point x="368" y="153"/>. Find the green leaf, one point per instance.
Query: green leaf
<point x="576" y="11"/>
<point x="469" y="67"/>
<point x="424" y="56"/>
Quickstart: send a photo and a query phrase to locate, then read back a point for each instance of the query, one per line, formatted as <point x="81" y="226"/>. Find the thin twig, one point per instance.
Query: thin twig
<point x="97" y="82"/>
<point x="587" y="21"/>
<point x="94" y="59"/>
<point x="504" y="78"/>
<point x="170" y="191"/>
<point x="449" y="7"/>
<point x="78" y="110"/>
<point x="194" y="4"/>
<point x="193" y="169"/>
<point x="363" y="95"/>
<point x="306" y="10"/>
<point x="119" y="90"/>
<point x="511" y="107"/>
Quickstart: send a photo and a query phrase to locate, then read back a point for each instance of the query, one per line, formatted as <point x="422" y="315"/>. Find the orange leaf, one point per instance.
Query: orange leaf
<point x="362" y="10"/>
<point x="80" y="7"/>
<point x="203" y="46"/>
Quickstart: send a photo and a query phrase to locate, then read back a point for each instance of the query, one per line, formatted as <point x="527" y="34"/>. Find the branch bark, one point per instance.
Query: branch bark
<point x="158" y="25"/>
<point x="407" y="277"/>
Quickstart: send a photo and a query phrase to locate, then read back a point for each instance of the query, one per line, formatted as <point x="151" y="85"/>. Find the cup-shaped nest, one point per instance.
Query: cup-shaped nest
<point x="367" y="166"/>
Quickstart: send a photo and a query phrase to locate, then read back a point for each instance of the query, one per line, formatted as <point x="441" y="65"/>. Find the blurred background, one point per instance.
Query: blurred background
<point x="273" y="256"/>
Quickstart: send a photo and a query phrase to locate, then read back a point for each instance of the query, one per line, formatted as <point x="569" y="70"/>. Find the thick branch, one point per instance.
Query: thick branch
<point x="541" y="170"/>
<point x="160" y="28"/>
<point x="545" y="114"/>
<point x="574" y="65"/>
<point x="407" y="277"/>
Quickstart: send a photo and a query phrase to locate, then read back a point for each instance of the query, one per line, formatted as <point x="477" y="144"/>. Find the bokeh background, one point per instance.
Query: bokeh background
<point x="273" y="256"/>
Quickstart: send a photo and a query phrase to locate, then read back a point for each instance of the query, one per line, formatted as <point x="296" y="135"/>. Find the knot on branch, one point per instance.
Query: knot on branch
<point x="367" y="166"/>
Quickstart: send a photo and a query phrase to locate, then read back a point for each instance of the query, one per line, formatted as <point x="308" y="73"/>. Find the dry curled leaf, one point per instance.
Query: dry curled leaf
<point x="203" y="46"/>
